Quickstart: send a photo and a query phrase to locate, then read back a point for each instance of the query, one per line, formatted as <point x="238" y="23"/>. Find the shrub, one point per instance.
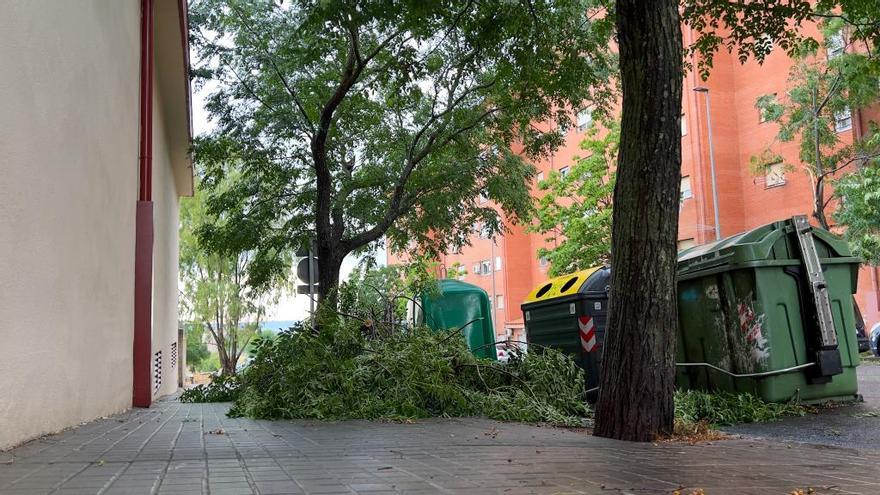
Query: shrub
<point x="223" y="388"/>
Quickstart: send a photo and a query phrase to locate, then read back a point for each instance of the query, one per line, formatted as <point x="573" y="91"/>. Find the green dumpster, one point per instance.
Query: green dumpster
<point x="457" y="304"/>
<point x="769" y="312"/>
<point x="568" y="313"/>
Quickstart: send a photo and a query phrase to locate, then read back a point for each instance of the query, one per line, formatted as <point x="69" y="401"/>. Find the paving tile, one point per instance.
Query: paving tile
<point x="163" y="449"/>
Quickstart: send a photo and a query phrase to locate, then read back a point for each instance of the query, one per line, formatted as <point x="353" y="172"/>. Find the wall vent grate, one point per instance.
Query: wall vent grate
<point x="157" y="371"/>
<point x="173" y="355"/>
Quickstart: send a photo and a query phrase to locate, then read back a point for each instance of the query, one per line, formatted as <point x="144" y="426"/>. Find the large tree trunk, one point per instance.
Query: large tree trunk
<point x="228" y="367"/>
<point x="636" y="386"/>
<point x="329" y="267"/>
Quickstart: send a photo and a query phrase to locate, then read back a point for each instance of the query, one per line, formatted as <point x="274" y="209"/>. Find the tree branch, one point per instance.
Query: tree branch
<point x="396" y="207"/>
<point x="271" y="60"/>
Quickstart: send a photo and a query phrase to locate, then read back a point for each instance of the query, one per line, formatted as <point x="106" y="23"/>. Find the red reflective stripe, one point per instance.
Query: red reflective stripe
<point x="587" y="333"/>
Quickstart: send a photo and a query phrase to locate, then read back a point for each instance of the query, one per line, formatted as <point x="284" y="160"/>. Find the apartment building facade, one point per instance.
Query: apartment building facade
<point x="508" y="267"/>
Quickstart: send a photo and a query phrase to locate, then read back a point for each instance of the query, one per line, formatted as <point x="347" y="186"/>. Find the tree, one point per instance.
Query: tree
<point x="354" y="122"/>
<point x="635" y="398"/>
<point x="755" y="28"/>
<point x="859" y="209"/>
<point x="822" y="98"/>
<point x="216" y="291"/>
<point x="196" y="348"/>
<point x="456" y="270"/>
<point x="637" y="382"/>
<point x="377" y="296"/>
<point x="575" y="211"/>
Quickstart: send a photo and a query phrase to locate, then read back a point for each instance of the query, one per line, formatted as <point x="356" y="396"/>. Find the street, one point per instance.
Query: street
<point x="856" y="426"/>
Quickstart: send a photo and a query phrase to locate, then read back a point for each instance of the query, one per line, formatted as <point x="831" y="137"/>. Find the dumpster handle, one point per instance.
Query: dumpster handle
<point x="750" y="375"/>
<point x="762" y="374"/>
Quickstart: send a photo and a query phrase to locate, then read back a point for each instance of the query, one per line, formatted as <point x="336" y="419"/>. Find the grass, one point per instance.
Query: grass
<point x="724" y="408"/>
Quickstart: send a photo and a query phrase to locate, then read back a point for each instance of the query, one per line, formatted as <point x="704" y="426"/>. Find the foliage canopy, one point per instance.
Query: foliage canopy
<point x="216" y="293"/>
<point x="574" y="212"/>
<point x="859" y="209"/>
<point x="354" y="122"/>
<point x="825" y="90"/>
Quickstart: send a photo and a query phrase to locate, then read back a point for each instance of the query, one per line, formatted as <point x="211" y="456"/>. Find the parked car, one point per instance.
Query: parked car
<point x="506" y="349"/>
<point x="861" y="334"/>
<point x="874" y="340"/>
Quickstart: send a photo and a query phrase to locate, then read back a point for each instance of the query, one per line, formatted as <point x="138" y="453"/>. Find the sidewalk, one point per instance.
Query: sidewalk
<point x="194" y="449"/>
<point x="855" y="427"/>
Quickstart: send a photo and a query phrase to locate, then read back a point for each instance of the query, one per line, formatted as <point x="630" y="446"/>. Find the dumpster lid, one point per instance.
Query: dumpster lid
<point x="775" y="241"/>
<point x="451" y="285"/>
<point x="563" y="285"/>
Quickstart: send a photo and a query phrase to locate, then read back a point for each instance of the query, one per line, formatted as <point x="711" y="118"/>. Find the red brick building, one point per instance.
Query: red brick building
<point x="509" y="268"/>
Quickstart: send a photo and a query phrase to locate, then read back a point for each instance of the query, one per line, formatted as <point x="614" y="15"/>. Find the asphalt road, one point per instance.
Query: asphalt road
<point x="855" y="426"/>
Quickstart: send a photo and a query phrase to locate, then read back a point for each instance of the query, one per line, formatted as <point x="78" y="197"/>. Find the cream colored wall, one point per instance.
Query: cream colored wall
<point x="165" y="218"/>
<point x="68" y="184"/>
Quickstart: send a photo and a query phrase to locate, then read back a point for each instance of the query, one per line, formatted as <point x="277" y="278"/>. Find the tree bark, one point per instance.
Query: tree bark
<point x="637" y="382"/>
<point x="329" y="267"/>
<point x="819" y="207"/>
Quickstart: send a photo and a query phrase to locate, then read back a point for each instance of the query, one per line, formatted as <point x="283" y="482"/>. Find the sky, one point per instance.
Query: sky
<point x="290" y="306"/>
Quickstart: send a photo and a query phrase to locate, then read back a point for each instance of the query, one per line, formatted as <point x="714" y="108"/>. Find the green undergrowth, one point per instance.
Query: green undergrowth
<point x="725" y="408"/>
<point x="340" y="374"/>
<point x="222" y="388"/>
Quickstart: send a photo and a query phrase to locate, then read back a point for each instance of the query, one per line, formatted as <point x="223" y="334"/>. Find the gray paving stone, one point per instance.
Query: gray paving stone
<point x="177" y="448"/>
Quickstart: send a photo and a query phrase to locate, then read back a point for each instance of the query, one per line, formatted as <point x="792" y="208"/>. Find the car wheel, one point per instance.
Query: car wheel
<point x="875" y="343"/>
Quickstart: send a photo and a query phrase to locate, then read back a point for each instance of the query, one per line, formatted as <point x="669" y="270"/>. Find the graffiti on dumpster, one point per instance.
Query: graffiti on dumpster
<point x="712" y="292"/>
<point x="752" y="326"/>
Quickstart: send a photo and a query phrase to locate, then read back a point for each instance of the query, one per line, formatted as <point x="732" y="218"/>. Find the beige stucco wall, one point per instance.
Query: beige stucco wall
<point x="68" y="190"/>
<point x="165" y="218"/>
<point x="68" y="181"/>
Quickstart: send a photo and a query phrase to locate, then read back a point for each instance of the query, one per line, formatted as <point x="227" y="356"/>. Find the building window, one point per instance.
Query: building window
<point x="563" y="171"/>
<point x="483" y="196"/>
<point x="686" y="244"/>
<point x="476" y="270"/>
<point x="499" y="301"/>
<point x="686" y="191"/>
<point x="774" y="175"/>
<point x="585" y="119"/>
<point x="485" y="267"/>
<point x="497" y="263"/>
<point x="834" y="46"/>
<point x="455" y="250"/>
<point x="843" y="120"/>
<point x="543" y="261"/>
<point x="684" y="125"/>
<point x="539" y="177"/>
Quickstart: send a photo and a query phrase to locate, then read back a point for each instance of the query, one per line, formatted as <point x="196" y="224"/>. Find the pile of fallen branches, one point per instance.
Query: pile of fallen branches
<point x="341" y="373"/>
